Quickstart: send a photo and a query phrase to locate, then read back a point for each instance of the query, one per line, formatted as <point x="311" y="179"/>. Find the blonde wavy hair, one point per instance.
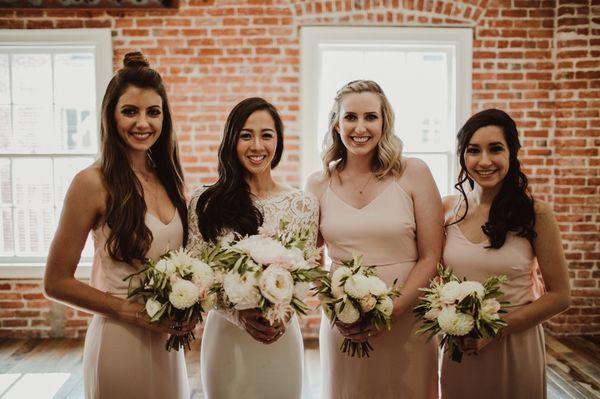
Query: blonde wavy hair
<point x="388" y="158"/>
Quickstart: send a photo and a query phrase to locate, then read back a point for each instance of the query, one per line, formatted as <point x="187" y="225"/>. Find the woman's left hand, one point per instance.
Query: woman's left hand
<point x="357" y="332"/>
<point x="471" y="345"/>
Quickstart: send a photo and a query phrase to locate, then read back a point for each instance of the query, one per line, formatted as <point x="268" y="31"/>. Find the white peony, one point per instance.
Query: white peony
<point x="349" y="314"/>
<point x="301" y="290"/>
<point x="490" y="308"/>
<point x="470" y="287"/>
<point x="377" y="286"/>
<point x="368" y="303"/>
<point x="202" y="274"/>
<point x="450" y="292"/>
<point x="263" y="250"/>
<point x="227" y="239"/>
<point x="295" y="259"/>
<point x="276" y="284"/>
<point x="152" y="307"/>
<point x="278" y="312"/>
<point x="357" y="286"/>
<point x="242" y="290"/>
<point x="209" y="302"/>
<point x="183" y="294"/>
<point x="453" y="323"/>
<point x="386" y="306"/>
<point x="337" y="290"/>
<point x="165" y="266"/>
<point x="432" y="313"/>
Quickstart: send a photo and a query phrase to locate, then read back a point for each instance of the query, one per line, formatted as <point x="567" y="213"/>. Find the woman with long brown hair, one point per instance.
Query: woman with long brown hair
<point x="132" y="200"/>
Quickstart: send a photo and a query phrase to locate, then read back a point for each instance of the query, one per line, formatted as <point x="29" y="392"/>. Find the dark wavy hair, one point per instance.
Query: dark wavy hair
<point x="227" y="205"/>
<point x="129" y="237"/>
<point x="513" y="207"/>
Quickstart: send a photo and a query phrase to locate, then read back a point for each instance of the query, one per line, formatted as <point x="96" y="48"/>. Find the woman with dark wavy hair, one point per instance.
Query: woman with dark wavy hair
<point x="495" y="227"/>
<point x="243" y="356"/>
<point x="132" y="200"/>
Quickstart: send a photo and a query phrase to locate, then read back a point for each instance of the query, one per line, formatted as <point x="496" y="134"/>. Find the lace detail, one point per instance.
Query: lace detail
<point x="301" y="210"/>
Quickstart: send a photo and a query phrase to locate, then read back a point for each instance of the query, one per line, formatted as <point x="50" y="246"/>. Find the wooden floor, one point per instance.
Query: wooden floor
<point x="52" y="368"/>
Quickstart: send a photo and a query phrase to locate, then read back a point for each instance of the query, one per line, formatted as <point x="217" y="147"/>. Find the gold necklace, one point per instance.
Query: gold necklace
<point x="364" y="185"/>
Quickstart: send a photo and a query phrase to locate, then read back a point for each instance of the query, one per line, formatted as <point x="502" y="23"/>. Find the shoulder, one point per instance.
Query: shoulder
<point x="449" y="202"/>
<point x="196" y="194"/>
<point x="316" y="184"/>
<point x="89" y="181"/>
<point x="543" y="212"/>
<point x="414" y="166"/>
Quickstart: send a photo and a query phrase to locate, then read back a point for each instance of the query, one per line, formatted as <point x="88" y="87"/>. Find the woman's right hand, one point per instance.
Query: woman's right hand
<point x="135" y="313"/>
<point x="259" y="328"/>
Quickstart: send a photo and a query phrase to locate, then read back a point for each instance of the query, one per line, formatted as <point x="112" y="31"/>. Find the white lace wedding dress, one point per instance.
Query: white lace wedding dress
<point x="232" y="363"/>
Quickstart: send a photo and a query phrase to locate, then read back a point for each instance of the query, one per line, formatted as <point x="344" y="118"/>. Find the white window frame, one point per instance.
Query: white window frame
<point x="460" y="39"/>
<point x="100" y="41"/>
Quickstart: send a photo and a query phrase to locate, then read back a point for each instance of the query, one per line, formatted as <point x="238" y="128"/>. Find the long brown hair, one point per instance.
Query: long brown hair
<point x="227" y="204"/>
<point x="129" y="237"/>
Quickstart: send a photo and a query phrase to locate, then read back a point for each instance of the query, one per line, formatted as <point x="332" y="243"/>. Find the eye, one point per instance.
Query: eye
<point x="372" y="117"/>
<point x="350" y="117"/>
<point x="268" y="135"/>
<point x="496" y="148"/>
<point x="245" y="136"/>
<point x="128" y="111"/>
<point x="472" y="150"/>
<point x="154" y="112"/>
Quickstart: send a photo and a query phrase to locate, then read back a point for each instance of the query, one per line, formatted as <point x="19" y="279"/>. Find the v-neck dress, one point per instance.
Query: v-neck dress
<point x="514" y="366"/>
<point x="402" y="364"/>
<point x="121" y="360"/>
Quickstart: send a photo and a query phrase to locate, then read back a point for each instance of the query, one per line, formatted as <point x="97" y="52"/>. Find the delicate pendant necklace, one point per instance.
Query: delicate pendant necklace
<point x="365" y="185"/>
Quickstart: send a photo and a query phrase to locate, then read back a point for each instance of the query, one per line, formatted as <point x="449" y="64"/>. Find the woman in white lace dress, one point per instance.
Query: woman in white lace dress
<point x="243" y="356"/>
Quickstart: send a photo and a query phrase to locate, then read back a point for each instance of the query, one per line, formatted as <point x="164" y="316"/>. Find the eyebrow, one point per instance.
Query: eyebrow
<point x="493" y="143"/>
<point x="135" y="106"/>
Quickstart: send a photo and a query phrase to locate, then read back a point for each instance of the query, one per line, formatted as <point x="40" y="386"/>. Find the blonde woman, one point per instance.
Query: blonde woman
<point x="376" y="203"/>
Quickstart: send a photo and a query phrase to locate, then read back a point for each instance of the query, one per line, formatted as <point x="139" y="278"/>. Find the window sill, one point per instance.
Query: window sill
<point x="27" y="271"/>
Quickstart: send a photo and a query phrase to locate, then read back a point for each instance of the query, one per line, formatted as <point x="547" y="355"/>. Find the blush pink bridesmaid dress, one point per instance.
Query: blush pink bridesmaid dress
<point x="515" y="366"/>
<point x="402" y="365"/>
<point x="121" y="360"/>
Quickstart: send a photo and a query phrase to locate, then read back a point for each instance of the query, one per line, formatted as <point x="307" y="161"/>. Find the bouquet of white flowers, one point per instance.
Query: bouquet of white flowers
<point x="460" y="308"/>
<point x="271" y="271"/>
<point x="355" y="294"/>
<point x="178" y="287"/>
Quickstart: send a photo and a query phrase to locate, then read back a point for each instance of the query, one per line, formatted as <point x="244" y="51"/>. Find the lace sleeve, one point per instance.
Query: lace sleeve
<point x="195" y="240"/>
<point x="309" y="215"/>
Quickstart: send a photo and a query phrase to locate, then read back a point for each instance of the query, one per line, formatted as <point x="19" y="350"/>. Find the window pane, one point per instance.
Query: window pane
<point x="74" y="79"/>
<point x="76" y="127"/>
<point x="33" y="130"/>
<point x="7" y="244"/>
<point x="5" y="127"/>
<point x="35" y="227"/>
<point x="32" y="79"/>
<point x="5" y="183"/>
<point x="32" y="182"/>
<point x="64" y="171"/>
<point x="4" y="81"/>
<point x="424" y="107"/>
<point x="440" y="168"/>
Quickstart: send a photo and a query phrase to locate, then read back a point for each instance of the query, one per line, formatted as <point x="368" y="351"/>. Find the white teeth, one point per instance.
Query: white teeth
<point x="485" y="172"/>
<point x="141" y="135"/>
<point x="363" y="139"/>
<point x="257" y="158"/>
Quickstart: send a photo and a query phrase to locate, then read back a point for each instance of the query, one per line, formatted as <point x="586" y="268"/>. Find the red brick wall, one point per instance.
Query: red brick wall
<point x="536" y="59"/>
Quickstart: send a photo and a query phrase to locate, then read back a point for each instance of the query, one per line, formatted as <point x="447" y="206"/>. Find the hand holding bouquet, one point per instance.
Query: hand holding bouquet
<point x="177" y="288"/>
<point x="459" y="308"/>
<point x="270" y="271"/>
<point x="354" y="294"/>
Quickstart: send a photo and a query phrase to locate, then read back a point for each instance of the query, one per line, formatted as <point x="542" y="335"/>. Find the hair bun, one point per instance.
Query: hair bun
<point x="135" y="59"/>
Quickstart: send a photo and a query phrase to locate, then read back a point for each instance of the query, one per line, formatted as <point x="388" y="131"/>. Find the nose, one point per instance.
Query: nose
<point x="485" y="159"/>
<point x="256" y="143"/>
<point x="360" y="126"/>
<point x="142" y="122"/>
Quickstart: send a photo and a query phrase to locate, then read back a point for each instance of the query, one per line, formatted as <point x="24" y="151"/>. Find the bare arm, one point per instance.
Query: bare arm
<point x="82" y="210"/>
<point x="553" y="265"/>
<point x="429" y="219"/>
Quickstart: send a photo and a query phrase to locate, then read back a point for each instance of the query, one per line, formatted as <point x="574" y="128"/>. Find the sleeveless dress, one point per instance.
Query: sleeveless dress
<point x="402" y="364"/>
<point x="515" y="366"/>
<point x="121" y="360"/>
<point x="233" y="364"/>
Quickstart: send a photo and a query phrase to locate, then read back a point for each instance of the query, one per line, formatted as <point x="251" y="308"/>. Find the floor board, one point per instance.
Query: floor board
<point x="52" y="368"/>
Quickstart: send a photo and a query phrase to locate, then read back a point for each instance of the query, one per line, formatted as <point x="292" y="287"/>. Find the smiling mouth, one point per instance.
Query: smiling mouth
<point x="140" y="136"/>
<point x="256" y="159"/>
<point x="487" y="172"/>
<point x="360" y="139"/>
